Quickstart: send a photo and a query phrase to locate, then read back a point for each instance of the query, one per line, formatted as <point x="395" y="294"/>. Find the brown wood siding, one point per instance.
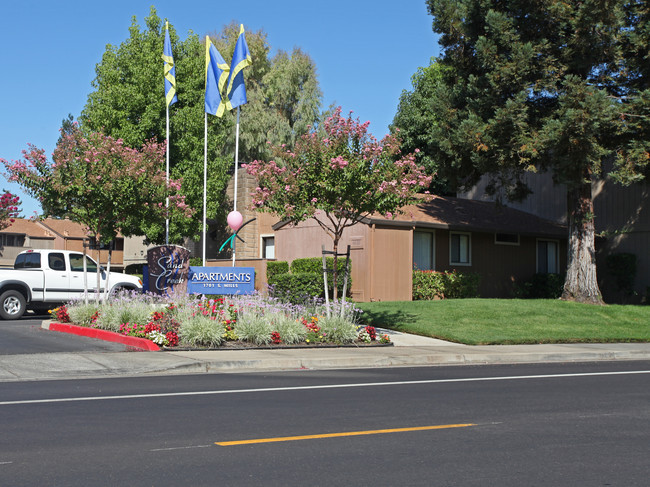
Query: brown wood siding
<point x="392" y="264"/>
<point x="307" y="239"/>
<point x="501" y="266"/>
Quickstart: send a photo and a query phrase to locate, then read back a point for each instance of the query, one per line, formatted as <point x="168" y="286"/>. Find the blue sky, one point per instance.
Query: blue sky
<point x="365" y="51"/>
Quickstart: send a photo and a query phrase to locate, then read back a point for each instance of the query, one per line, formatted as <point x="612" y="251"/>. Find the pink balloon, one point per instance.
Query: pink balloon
<point x="235" y="219"/>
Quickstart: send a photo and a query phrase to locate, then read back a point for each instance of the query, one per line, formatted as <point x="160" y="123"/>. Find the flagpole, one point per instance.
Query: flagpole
<point x="236" y="171"/>
<point x="167" y="180"/>
<point x="205" y="181"/>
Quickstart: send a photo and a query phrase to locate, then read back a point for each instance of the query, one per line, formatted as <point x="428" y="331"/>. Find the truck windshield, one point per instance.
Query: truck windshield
<point x="77" y="263"/>
<point x="28" y="261"/>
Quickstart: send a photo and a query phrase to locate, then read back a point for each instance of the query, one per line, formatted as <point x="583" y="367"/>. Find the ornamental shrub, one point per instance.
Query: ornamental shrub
<point x="444" y="285"/>
<point x="201" y="331"/>
<point x="622" y="267"/>
<point x="305" y="280"/>
<point x="82" y="313"/>
<point x="541" y="286"/>
<point x="112" y="315"/>
<point x="291" y="330"/>
<point x="338" y="329"/>
<point x="297" y="288"/>
<point x="253" y="326"/>
<point x="274" y="268"/>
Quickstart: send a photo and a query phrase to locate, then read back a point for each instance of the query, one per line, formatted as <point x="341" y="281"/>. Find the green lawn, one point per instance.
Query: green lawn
<point x="510" y="321"/>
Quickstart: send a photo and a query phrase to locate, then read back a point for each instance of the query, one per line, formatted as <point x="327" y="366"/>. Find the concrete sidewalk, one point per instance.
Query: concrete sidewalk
<point x="408" y="350"/>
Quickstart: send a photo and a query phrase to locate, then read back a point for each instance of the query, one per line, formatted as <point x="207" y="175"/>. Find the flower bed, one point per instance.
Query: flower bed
<point x="189" y="322"/>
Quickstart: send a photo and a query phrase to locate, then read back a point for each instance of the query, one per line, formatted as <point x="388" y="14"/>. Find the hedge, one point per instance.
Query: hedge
<point x="444" y="285"/>
<point x="303" y="280"/>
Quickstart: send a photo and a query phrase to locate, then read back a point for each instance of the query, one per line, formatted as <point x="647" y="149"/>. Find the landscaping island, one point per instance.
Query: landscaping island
<point x="185" y="322"/>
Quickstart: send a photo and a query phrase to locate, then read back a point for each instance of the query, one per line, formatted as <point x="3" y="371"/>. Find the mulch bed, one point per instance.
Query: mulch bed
<point x="238" y="345"/>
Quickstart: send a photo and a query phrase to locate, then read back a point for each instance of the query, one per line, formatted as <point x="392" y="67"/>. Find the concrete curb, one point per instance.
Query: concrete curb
<point x="109" y="336"/>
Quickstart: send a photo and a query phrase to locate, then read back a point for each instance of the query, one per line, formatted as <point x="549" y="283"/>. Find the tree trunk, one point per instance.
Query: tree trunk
<point x="335" y="270"/>
<point x="99" y="280"/>
<point x="581" y="284"/>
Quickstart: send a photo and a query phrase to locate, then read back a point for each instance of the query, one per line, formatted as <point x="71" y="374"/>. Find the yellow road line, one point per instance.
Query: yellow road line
<point x="335" y="435"/>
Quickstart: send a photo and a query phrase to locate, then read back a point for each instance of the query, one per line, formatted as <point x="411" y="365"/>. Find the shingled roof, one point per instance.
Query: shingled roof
<point x="29" y="228"/>
<point x="474" y="216"/>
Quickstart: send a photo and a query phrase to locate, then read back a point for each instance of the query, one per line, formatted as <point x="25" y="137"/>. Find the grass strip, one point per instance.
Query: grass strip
<point x="512" y="321"/>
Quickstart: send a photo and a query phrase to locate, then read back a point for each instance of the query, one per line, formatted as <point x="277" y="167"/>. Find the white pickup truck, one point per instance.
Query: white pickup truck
<point x="41" y="279"/>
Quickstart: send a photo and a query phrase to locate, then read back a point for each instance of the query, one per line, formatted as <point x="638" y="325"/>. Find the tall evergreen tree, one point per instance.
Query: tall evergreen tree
<point x="547" y="85"/>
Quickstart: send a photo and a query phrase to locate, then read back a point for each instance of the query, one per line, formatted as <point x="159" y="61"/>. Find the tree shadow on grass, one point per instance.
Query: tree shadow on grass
<point x="393" y="320"/>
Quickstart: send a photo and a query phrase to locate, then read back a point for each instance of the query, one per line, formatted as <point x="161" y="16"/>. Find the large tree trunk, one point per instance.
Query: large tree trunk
<point x="581" y="284"/>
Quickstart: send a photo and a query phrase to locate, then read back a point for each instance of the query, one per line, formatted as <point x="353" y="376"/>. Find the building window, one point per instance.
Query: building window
<point x="547" y="257"/>
<point x="506" y="238"/>
<point x="460" y="248"/>
<point x="8" y="240"/>
<point x="423" y="246"/>
<point x="268" y="247"/>
<point x="117" y="244"/>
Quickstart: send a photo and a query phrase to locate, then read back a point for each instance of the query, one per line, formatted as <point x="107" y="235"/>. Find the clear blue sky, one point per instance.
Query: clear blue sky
<point x="365" y="51"/>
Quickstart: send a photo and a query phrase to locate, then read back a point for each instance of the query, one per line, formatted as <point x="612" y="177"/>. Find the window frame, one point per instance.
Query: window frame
<point x="557" y="255"/>
<point x="432" y="249"/>
<point x="469" y="249"/>
<point x="501" y="242"/>
<point x="263" y="239"/>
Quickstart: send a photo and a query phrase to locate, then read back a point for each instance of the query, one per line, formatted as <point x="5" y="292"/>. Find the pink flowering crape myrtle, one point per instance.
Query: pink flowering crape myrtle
<point x="343" y="171"/>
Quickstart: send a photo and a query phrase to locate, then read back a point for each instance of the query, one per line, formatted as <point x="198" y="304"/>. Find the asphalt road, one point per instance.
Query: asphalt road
<point x="27" y="336"/>
<point x="532" y="425"/>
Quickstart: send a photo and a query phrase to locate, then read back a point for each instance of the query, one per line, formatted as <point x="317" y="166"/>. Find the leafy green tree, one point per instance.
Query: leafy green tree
<point x="548" y="85"/>
<point x="128" y="103"/>
<point x="416" y="115"/>
<point x="337" y="177"/>
<point x="101" y="183"/>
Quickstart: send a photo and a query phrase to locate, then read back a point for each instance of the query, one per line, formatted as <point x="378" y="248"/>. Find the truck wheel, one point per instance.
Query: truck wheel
<point x="12" y="305"/>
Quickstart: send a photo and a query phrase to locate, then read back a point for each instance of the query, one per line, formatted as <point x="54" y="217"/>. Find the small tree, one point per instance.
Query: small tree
<point x="8" y="209"/>
<point x="338" y="176"/>
<point x="99" y="182"/>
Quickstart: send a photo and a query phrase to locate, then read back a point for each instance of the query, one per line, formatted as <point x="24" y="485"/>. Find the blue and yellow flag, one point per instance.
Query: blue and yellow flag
<point x="170" y="70"/>
<point x="240" y="59"/>
<point x="216" y="75"/>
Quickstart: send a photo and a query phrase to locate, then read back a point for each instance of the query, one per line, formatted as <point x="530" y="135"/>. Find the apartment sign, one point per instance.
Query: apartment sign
<point x="168" y="266"/>
<point x="221" y="280"/>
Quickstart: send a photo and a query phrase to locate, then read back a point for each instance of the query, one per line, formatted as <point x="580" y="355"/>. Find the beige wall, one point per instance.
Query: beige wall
<point x="391" y="277"/>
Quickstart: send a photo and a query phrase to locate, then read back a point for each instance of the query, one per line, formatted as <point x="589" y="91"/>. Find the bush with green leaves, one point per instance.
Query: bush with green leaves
<point x="276" y="267"/>
<point x="303" y="281"/>
<point x="297" y="288"/>
<point x="622" y="267"/>
<point x="541" y="286"/>
<point x="444" y="285"/>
